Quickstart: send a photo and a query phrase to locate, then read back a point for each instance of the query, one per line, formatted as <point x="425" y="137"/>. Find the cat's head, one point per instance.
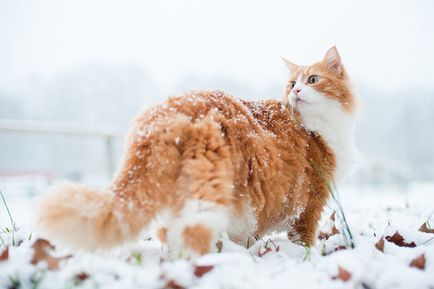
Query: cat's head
<point x="320" y="90"/>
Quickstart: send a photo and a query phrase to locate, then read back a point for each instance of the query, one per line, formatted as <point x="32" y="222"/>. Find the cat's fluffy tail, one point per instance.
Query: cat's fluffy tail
<point x="81" y="217"/>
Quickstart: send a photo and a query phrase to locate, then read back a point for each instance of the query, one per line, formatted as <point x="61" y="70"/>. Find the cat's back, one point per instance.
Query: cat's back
<point x="252" y="123"/>
<point x="270" y="115"/>
<point x="199" y="103"/>
<point x="232" y="113"/>
<point x="273" y="116"/>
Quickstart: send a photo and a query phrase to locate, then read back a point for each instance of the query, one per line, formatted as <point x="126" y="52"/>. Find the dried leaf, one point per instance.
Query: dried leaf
<point x="380" y="244"/>
<point x="424" y="228"/>
<point x="267" y="250"/>
<point x="42" y="250"/>
<point x="398" y="240"/>
<point x="418" y="262"/>
<point x="335" y="249"/>
<point x="326" y="236"/>
<point x="333" y="216"/>
<point x="82" y="276"/>
<point x="219" y="246"/>
<point x="323" y="236"/>
<point x="173" y="285"/>
<point x="335" y="231"/>
<point x="343" y="274"/>
<point x="199" y="271"/>
<point x="341" y="247"/>
<point x="4" y="256"/>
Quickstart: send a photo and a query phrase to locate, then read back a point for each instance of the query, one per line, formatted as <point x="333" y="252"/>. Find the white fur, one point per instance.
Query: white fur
<point x="328" y="118"/>
<point x="206" y="213"/>
<point x="242" y="226"/>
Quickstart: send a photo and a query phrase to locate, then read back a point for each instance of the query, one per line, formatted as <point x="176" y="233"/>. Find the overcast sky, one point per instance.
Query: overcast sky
<point x="386" y="45"/>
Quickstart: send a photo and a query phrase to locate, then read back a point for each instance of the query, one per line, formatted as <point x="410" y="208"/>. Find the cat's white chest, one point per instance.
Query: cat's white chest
<point x="337" y="130"/>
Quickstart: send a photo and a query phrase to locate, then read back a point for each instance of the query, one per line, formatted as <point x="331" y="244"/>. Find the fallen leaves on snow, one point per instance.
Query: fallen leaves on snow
<point x="4" y="255"/>
<point x="380" y="244"/>
<point x="199" y="271"/>
<point x="331" y="232"/>
<point x="42" y="249"/>
<point x="343" y="275"/>
<point x="419" y="262"/>
<point x="426" y="229"/>
<point x="173" y="285"/>
<point x="398" y="240"/>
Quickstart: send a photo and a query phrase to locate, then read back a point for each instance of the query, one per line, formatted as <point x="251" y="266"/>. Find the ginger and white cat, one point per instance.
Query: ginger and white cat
<point x="208" y="163"/>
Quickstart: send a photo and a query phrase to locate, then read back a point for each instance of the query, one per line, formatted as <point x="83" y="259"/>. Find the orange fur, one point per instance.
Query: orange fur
<point x="214" y="148"/>
<point x="197" y="238"/>
<point x="162" y="234"/>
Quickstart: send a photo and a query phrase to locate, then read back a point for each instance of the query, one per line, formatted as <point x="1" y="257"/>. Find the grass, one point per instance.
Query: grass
<point x="13" y="225"/>
<point x="137" y="257"/>
<point x="346" y="231"/>
<point x="37" y="279"/>
<point x="308" y="254"/>
<point x="248" y="243"/>
<point x="15" y="282"/>
<point x="341" y="215"/>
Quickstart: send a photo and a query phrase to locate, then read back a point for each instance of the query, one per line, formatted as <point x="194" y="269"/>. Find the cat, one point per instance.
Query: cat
<point x="206" y="163"/>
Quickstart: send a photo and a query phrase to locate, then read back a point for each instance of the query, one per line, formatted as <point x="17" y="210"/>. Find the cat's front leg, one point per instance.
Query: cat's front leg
<point x="304" y="230"/>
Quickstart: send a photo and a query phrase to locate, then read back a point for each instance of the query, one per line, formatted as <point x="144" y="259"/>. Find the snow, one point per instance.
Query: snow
<point x="273" y="262"/>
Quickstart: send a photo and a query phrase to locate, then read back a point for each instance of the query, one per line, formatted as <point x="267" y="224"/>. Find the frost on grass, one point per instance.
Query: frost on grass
<point x="394" y="248"/>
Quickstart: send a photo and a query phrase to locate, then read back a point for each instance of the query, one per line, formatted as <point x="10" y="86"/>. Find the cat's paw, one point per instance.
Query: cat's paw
<point x="295" y="237"/>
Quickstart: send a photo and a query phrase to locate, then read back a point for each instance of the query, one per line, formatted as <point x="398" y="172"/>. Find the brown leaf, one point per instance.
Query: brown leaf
<point x="323" y="236"/>
<point x="4" y="256"/>
<point x="219" y="246"/>
<point x="267" y="250"/>
<point x="333" y="216"/>
<point x="380" y="244"/>
<point x="335" y="249"/>
<point x="398" y="240"/>
<point x="82" y="276"/>
<point x="326" y="236"/>
<point x="173" y="285"/>
<point x="42" y="250"/>
<point x="418" y="262"/>
<point x="335" y="231"/>
<point x="424" y="228"/>
<point x="341" y="247"/>
<point x="199" y="271"/>
<point x="343" y="274"/>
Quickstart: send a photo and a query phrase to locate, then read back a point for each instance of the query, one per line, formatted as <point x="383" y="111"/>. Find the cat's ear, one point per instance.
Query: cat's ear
<point x="291" y="66"/>
<point x="333" y="60"/>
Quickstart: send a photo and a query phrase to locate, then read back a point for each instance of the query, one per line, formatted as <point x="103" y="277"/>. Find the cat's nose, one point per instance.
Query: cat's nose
<point x="297" y="90"/>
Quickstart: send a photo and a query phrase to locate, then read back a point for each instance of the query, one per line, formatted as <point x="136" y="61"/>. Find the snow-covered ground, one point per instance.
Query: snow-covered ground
<point x="273" y="262"/>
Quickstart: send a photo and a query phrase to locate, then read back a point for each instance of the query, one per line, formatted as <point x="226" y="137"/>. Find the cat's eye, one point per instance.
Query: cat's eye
<point x="292" y="84"/>
<point x="313" y="79"/>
